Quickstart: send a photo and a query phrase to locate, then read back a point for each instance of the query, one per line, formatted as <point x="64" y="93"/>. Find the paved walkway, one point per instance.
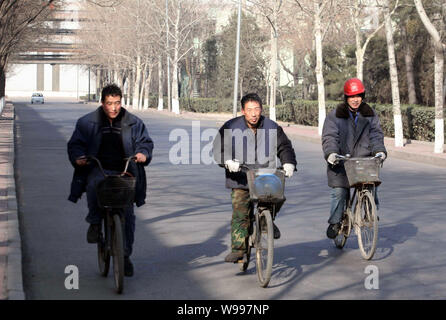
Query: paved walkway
<point x="11" y="284"/>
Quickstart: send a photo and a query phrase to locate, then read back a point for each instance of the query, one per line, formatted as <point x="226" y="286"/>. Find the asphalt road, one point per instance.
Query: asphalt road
<point x="182" y="233"/>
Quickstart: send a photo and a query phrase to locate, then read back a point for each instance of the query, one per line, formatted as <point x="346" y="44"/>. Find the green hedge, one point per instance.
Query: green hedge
<point x="418" y="121"/>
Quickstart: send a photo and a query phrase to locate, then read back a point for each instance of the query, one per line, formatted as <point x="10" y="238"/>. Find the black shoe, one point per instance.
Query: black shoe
<point x="276" y="231"/>
<point x="333" y="230"/>
<point x="93" y="233"/>
<point x="234" y="257"/>
<point x="128" y="267"/>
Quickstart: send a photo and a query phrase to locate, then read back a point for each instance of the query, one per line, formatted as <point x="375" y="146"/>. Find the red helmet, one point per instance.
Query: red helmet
<point x="353" y="87"/>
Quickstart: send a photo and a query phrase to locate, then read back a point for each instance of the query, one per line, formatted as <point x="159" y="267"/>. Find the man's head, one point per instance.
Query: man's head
<point x="354" y="93"/>
<point x="251" y="109"/>
<point x="111" y="100"/>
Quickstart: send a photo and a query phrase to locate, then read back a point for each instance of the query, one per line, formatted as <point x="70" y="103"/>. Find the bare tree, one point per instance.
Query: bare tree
<point x="19" y="19"/>
<point x="398" y="123"/>
<point x="359" y="10"/>
<point x="320" y="11"/>
<point x="439" y="48"/>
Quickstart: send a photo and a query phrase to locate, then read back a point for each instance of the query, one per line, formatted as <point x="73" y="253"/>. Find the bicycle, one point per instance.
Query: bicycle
<point x="363" y="176"/>
<point x="266" y="191"/>
<point x="114" y="193"/>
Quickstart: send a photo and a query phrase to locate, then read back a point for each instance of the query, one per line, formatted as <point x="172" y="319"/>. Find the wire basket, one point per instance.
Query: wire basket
<point x="362" y="170"/>
<point x="266" y="185"/>
<point x="116" y="192"/>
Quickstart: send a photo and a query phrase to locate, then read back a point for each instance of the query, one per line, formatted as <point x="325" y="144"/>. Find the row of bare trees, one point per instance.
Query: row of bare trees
<point x="131" y="42"/>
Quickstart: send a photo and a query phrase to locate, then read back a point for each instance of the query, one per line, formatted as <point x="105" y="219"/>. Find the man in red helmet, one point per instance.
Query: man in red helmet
<point x="352" y="128"/>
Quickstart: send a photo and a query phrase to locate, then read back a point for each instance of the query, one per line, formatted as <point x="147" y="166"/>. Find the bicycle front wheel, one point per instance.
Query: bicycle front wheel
<point x="103" y="252"/>
<point x="264" y="247"/>
<point x="366" y="225"/>
<point x="118" y="253"/>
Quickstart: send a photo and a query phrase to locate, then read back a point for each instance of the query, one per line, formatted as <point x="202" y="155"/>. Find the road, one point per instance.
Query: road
<point x="182" y="233"/>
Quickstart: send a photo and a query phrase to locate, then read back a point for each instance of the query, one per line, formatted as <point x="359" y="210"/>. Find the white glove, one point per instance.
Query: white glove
<point x="232" y="165"/>
<point x="289" y="169"/>
<point x="332" y="159"/>
<point x="381" y="155"/>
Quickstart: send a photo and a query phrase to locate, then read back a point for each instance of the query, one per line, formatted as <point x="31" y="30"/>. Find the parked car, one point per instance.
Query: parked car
<point x="37" y="98"/>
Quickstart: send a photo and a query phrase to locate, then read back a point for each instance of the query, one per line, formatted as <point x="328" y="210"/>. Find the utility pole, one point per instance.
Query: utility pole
<point x="237" y="53"/>
<point x="169" y="107"/>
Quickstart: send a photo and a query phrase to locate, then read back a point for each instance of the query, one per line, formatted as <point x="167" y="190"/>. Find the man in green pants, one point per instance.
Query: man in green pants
<point x="255" y="140"/>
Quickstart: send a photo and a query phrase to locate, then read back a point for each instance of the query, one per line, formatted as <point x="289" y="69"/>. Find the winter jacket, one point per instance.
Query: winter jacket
<point x="86" y="140"/>
<point x="237" y="141"/>
<point x="340" y="135"/>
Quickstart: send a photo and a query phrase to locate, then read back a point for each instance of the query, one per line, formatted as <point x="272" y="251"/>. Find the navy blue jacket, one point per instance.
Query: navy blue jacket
<point x="339" y="135"/>
<point x="86" y="140"/>
<point x="243" y="144"/>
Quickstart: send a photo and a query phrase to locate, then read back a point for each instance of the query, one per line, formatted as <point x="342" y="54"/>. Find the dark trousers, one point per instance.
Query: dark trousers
<point x="94" y="212"/>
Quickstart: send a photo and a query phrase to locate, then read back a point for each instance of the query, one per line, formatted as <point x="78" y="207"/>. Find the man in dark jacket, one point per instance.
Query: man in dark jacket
<point x="352" y="128"/>
<point x="110" y="133"/>
<point x="249" y="139"/>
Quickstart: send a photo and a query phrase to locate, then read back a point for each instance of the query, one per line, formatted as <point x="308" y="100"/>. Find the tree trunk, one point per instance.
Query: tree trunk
<point x="175" y="98"/>
<point x="273" y="65"/>
<point x="438" y="77"/>
<point x="2" y="80"/>
<point x="408" y="59"/>
<point x="160" y="83"/>
<point x="137" y="82"/>
<point x="318" y="70"/>
<point x="398" y="123"/>
<point x="143" y="88"/>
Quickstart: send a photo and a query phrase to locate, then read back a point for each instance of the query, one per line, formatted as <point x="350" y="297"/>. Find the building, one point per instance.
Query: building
<point x="52" y="66"/>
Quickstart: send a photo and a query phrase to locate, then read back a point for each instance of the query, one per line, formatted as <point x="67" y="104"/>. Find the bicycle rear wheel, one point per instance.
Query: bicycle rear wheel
<point x="118" y="253"/>
<point x="366" y="225"/>
<point x="103" y="252"/>
<point x="264" y="248"/>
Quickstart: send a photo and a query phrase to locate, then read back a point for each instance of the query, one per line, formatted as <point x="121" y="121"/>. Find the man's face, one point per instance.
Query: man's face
<point x="354" y="102"/>
<point x="111" y="106"/>
<point x="252" y="112"/>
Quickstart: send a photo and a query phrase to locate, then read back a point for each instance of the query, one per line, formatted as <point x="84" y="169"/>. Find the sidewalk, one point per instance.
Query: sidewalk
<point x="11" y="285"/>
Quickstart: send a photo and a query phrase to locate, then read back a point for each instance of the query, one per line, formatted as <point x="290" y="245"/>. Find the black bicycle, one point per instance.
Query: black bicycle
<point x="114" y="193"/>
<point x="266" y="191"/>
<point x="360" y="212"/>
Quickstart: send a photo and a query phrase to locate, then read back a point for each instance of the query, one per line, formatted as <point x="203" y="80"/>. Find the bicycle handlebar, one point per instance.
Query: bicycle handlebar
<point x="245" y="168"/>
<point x="89" y="158"/>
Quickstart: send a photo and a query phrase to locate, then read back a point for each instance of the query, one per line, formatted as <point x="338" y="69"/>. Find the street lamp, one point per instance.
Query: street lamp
<point x="237" y="53"/>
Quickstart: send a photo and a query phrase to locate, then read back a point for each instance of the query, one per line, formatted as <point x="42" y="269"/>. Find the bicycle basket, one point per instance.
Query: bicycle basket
<point x="116" y="191"/>
<point x="362" y="170"/>
<point x="266" y="185"/>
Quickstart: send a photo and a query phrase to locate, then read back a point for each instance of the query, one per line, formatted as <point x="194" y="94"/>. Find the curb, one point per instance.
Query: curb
<point x="14" y="281"/>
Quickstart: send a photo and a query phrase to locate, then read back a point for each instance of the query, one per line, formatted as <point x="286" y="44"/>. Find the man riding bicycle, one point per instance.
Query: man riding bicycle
<point x="352" y="128"/>
<point x="111" y="134"/>
<point x="249" y="139"/>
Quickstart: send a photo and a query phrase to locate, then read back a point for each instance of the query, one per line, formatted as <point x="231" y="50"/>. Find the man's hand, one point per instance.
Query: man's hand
<point x="332" y="159"/>
<point x="381" y="155"/>
<point x="140" y="157"/>
<point x="232" y="165"/>
<point x="81" y="161"/>
<point x="289" y="169"/>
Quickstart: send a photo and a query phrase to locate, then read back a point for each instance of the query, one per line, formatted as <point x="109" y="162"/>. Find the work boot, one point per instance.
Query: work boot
<point x="333" y="230"/>
<point x="234" y="257"/>
<point x="128" y="267"/>
<point x="93" y="233"/>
